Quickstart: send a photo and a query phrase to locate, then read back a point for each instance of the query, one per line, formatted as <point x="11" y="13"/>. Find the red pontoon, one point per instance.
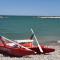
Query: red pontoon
<point x="22" y="47"/>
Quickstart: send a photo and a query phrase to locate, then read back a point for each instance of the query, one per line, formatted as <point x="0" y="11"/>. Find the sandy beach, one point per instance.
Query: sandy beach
<point x="51" y="56"/>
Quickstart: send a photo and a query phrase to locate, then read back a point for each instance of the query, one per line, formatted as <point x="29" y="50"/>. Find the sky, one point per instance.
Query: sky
<point x="30" y="7"/>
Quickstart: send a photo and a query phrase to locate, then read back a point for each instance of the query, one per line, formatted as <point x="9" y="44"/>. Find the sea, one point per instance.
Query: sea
<point x="19" y="27"/>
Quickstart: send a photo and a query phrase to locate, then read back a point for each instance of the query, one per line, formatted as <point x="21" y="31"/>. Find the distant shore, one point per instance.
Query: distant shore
<point x="48" y="16"/>
<point x="6" y="16"/>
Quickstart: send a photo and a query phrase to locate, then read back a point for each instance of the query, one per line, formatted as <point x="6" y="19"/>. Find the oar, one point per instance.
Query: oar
<point x="37" y="41"/>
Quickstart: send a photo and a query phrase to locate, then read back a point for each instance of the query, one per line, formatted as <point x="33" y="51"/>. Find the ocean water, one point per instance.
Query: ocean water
<point x="18" y="27"/>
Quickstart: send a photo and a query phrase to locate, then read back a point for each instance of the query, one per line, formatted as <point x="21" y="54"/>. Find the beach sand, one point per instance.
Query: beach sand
<point x="51" y="56"/>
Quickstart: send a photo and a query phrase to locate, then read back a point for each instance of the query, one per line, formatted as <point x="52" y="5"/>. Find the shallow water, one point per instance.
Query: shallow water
<point x="18" y="27"/>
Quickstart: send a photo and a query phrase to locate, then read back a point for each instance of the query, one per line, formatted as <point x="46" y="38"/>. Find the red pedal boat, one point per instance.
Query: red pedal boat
<point x="22" y="47"/>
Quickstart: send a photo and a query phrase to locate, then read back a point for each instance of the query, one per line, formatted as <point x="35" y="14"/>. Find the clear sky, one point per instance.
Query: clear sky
<point x="30" y="7"/>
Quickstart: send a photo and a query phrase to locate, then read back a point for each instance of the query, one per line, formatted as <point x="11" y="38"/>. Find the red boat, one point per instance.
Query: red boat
<point x="22" y="47"/>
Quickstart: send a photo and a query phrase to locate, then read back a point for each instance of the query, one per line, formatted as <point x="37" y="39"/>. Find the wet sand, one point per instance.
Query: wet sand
<point x="52" y="56"/>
